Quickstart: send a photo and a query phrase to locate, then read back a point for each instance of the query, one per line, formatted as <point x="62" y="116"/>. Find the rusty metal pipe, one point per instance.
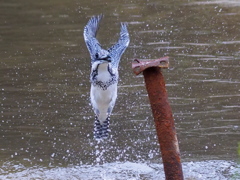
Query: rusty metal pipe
<point x="164" y="121"/>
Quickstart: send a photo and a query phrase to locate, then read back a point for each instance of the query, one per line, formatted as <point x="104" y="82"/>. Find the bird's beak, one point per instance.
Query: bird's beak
<point x="106" y="59"/>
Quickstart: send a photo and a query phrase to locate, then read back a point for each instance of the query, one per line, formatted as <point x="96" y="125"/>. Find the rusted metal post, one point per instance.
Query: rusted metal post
<point x="162" y="114"/>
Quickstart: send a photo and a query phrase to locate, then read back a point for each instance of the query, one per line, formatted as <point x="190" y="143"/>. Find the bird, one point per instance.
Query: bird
<point x="104" y="74"/>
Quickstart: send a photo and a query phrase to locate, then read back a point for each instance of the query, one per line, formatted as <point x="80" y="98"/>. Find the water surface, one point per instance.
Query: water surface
<point x="47" y="121"/>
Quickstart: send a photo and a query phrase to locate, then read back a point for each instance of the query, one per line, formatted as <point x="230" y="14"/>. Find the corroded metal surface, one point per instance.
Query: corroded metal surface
<point x="164" y="122"/>
<point x="139" y="66"/>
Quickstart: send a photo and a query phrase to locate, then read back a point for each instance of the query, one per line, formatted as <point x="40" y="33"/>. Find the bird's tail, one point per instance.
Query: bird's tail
<point x="101" y="130"/>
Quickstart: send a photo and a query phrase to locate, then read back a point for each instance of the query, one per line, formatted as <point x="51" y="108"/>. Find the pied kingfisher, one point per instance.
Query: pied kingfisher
<point x="104" y="74"/>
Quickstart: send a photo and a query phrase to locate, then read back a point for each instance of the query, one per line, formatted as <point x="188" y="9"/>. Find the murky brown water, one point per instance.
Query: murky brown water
<point x="45" y="116"/>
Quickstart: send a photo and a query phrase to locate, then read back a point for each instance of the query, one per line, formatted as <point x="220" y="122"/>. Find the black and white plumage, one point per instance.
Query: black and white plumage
<point x="104" y="74"/>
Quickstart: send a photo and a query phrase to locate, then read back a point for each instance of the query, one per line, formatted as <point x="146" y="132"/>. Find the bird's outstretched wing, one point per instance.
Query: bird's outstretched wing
<point x="90" y="31"/>
<point x="118" y="49"/>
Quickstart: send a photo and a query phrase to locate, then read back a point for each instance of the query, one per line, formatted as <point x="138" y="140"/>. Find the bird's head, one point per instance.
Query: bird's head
<point x="102" y="60"/>
<point x="102" y="56"/>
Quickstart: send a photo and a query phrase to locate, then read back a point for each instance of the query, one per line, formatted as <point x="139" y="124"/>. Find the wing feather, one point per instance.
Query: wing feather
<point x="118" y="49"/>
<point x="89" y="34"/>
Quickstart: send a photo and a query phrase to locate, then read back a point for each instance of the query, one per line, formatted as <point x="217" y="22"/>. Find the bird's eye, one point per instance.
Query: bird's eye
<point x="97" y="55"/>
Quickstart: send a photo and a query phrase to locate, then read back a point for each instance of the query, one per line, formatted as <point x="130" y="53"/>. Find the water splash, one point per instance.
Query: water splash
<point x="121" y="170"/>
